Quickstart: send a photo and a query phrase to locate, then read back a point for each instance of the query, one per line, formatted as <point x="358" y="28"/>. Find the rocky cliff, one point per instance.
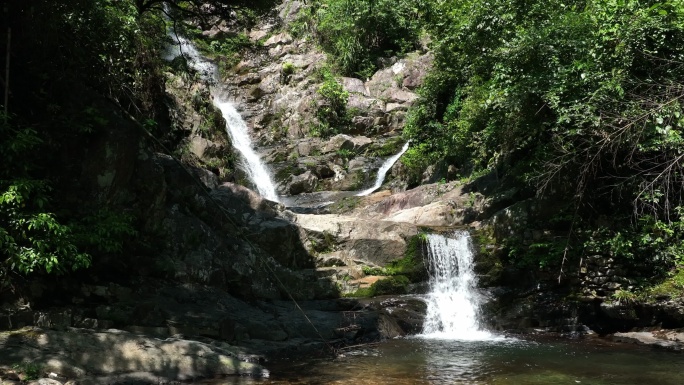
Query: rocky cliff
<point x="215" y="263"/>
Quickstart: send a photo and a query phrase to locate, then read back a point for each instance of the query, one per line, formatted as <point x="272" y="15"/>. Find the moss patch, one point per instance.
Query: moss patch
<point x="345" y="205"/>
<point x="397" y="284"/>
<point x="489" y="265"/>
<point x="411" y="266"/>
<point x="672" y="287"/>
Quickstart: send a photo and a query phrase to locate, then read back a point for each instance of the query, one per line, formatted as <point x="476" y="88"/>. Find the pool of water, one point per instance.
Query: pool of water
<point x="504" y="361"/>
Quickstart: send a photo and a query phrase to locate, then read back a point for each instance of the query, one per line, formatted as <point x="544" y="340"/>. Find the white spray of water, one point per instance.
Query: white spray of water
<point x="182" y="46"/>
<point x="382" y="172"/>
<point x="453" y="304"/>
<point x="239" y="135"/>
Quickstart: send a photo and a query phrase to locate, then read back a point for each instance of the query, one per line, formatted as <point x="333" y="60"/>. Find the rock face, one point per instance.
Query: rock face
<point x="663" y="339"/>
<point x="357" y="241"/>
<point x="78" y="353"/>
<point x="276" y="91"/>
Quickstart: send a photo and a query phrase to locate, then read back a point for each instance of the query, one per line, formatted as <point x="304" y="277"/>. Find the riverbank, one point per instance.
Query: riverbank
<point x="85" y="356"/>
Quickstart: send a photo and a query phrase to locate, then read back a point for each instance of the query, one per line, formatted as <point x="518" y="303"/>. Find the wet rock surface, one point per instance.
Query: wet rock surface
<point x="672" y="340"/>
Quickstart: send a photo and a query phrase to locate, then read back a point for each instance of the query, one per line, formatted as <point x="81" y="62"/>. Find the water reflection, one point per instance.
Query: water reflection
<point x="507" y="362"/>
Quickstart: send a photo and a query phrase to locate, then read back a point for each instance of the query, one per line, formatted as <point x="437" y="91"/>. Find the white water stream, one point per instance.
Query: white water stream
<point x="453" y="304"/>
<point x="181" y="46"/>
<point x="382" y="172"/>
<point x="236" y="127"/>
<point x="252" y="164"/>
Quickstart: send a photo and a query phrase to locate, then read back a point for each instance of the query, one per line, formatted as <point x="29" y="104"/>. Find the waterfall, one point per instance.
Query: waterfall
<point x="453" y="304"/>
<point x="182" y="46"/>
<point x="252" y="164"/>
<point x="235" y="125"/>
<point x="382" y="172"/>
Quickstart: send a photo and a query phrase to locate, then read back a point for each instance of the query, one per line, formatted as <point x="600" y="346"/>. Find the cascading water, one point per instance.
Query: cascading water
<point x="181" y="46"/>
<point x="453" y="305"/>
<point x="235" y="125"/>
<point x="382" y="172"/>
<point x="239" y="135"/>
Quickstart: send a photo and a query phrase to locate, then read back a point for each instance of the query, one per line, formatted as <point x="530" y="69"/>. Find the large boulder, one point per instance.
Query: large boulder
<point x="358" y="241"/>
<point x="79" y="352"/>
<point x="342" y="142"/>
<point x="304" y="183"/>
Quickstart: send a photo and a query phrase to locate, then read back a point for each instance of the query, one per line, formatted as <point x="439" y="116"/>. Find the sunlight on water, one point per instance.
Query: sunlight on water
<point x="513" y="362"/>
<point x="453" y="301"/>
<point x="252" y="164"/>
<point x="382" y="172"/>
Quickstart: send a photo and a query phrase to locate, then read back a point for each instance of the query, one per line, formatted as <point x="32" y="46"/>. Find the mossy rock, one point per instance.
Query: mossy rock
<point x="397" y="284"/>
<point x="488" y="262"/>
<point x="413" y="264"/>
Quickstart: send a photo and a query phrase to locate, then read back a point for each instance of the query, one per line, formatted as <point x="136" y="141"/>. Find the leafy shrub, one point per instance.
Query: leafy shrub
<point x="288" y="68"/>
<point x="332" y="112"/>
<point x="557" y="96"/>
<point x="357" y="33"/>
<point x="624" y="297"/>
<point x="31" y="237"/>
<point x="31" y="370"/>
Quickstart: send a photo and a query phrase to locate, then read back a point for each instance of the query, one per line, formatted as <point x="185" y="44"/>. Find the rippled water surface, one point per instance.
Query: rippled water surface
<point x="418" y="361"/>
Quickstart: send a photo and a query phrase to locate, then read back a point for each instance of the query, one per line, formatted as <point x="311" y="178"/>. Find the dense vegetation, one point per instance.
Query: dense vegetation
<point x="67" y="59"/>
<point x="576" y="102"/>
<point x="78" y="68"/>
<point x="357" y="34"/>
<point x="580" y="102"/>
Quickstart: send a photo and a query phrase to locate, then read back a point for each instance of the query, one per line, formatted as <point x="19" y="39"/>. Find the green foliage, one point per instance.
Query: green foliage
<point x="416" y="159"/>
<point x="324" y="245"/>
<point x="31" y="370"/>
<point x="364" y="292"/>
<point x="658" y="244"/>
<point x="226" y="51"/>
<point x="332" y="113"/>
<point x="672" y="286"/>
<point x="288" y="68"/>
<point x="511" y="77"/>
<point x="576" y="100"/>
<point x="104" y="231"/>
<point x="345" y="205"/>
<point x="397" y="284"/>
<point x="387" y="148"/>
<point x="345" y="154"/>
<point x="31" y="237"/>
<point x="357" y="33"/>
<point x="303" y="23"/>
<point x="624" y="297"/>
<point x="286" y="72"/>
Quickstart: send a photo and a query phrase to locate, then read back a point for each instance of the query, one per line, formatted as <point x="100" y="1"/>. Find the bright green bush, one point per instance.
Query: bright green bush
<point x="332" y="113"/>
<point x="31" y="237"/>
<point x="578" y="100"/>
<point x="356" y="33"/>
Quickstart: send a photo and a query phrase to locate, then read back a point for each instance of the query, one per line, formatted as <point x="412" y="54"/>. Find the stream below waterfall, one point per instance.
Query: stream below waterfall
<point x="455" y="349"/>
<point x="507" y="362"/>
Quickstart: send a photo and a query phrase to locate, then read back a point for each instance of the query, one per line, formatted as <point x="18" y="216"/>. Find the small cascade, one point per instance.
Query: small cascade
<point x="252" y="164"/>
<point x="382" y="172"/>
<point x="181" y="46"/>
<point x="453" y="304"/>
